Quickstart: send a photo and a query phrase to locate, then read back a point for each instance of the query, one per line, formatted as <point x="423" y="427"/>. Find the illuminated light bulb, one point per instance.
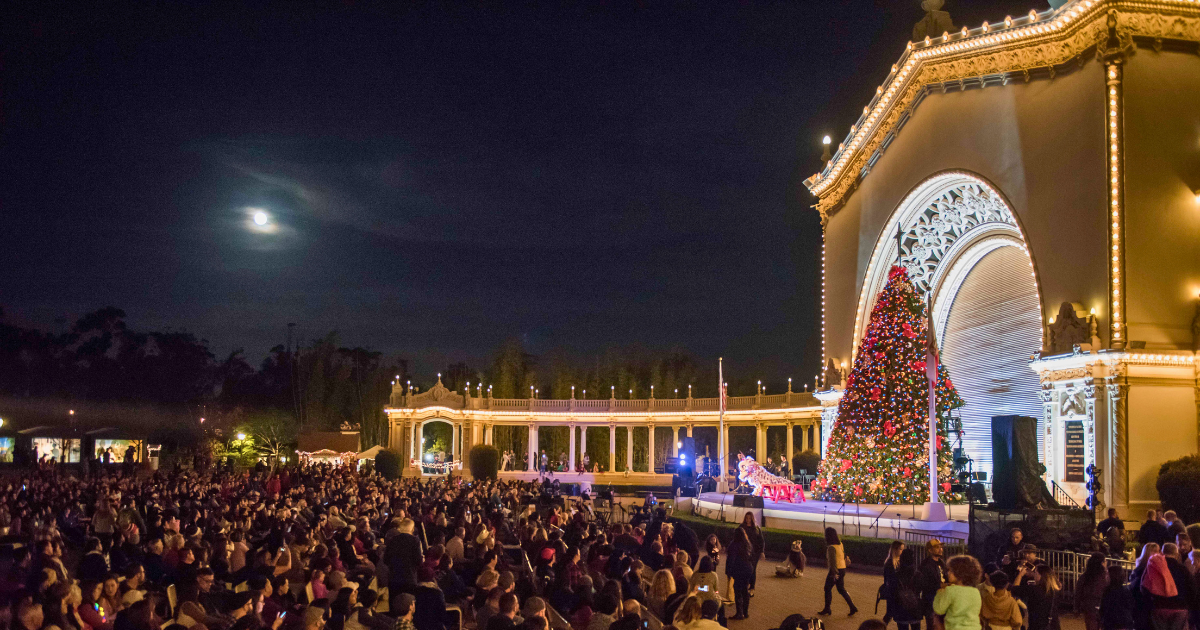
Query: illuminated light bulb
<point x="826" y="140"/>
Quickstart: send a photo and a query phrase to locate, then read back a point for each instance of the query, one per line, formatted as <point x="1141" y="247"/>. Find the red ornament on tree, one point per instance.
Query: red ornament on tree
<point x="875" y="393"/>
<point x="846" y="465"/>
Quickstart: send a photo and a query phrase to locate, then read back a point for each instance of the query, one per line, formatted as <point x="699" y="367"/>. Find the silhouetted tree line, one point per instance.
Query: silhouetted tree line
<point x="316" y="385"/>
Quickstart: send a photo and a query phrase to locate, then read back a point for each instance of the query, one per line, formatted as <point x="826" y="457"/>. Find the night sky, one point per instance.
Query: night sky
<point x="439" y="176"/>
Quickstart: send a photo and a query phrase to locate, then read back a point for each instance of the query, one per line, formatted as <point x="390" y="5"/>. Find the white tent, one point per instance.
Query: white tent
<point x="370" y="453"/>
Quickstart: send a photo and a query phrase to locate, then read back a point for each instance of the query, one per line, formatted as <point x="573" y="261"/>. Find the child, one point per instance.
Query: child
<point x="794" y="566"/>
<point x="959" y="599"/>
<point x="999" y="609"/>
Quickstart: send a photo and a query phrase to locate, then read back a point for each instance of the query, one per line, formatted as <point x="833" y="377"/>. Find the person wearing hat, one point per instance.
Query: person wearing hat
<point x="535" y="608"/>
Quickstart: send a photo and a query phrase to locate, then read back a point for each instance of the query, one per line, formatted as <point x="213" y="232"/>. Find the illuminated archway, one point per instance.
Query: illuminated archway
<point x="962" y="244"/>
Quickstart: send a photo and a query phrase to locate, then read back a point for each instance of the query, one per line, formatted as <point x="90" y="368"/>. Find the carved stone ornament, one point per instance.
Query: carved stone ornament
<point x="1052" y="376"/>
<point x="954" y="213"/>
<point x="833" y="375"/>
<point x="1067" y="331"/>
<point x="1073" y="403"/>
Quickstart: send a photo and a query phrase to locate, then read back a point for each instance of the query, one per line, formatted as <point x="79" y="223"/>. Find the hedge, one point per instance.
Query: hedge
<point x="483" y="461"/>
<point x="388" y="465"/>
<point x="1179" y="487"/>
<point x="865" y="553"/>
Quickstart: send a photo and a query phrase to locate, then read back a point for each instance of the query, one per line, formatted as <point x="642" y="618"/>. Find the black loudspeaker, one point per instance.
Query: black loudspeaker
<point x="687" y="491"/>
<point x="747" y="501"/>
<point x="687" y="460"/>
<point x="671" y="467"/>
<point x="1016" y="469"/>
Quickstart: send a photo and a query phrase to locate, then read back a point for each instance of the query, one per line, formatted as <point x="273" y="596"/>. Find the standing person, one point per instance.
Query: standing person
<point x="1040" y="595"/>
<point x="1141" y="600"/>
<point x="836" y="560"/>
<point x="930" y="577"/>
<point x="754" y="535"/>
<point x="1172" y="611"/>
<point x="959" y="598"/>
<point x="739" y="566"/>
<point x="1090" y="590"/>
<point x="1152" y="530"/>
<point x="1000" y="609"/>
<point x="905" y="605"/>
<point x="1113" y="520"/>
<point x="1116" y="605"/>
<point x="890" y="567"/>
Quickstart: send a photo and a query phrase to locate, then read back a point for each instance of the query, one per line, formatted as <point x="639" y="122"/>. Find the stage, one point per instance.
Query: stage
<point x="872" y="521"/>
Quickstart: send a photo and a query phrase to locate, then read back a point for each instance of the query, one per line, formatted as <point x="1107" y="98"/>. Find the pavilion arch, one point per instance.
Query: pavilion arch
<point x="962" y="243"/>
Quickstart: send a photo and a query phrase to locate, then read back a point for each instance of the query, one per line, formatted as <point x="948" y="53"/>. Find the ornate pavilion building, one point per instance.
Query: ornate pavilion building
<point x="1042" y="173"/>
<point x="645" y="422"/>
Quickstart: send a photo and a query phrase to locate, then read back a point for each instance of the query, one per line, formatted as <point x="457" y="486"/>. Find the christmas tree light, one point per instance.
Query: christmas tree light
<point x="879" y="447"/>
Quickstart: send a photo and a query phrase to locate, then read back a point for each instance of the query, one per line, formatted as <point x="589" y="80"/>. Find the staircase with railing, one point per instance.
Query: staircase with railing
<point x="1062" y="497"/>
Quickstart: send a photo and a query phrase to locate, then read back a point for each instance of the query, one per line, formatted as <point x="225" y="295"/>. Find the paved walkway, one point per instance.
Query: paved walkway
<point x="776" y="598"/>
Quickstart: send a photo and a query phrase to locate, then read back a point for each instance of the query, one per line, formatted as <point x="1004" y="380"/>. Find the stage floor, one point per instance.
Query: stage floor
<point x="873" y="521"/>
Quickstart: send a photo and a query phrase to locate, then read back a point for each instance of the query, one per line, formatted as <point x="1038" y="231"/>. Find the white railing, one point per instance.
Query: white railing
<point x="439" y="396"/>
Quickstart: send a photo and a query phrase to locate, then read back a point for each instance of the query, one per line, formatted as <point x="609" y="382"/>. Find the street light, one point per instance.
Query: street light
<point x="261" y="218"/>
<point x="241" y="436"/>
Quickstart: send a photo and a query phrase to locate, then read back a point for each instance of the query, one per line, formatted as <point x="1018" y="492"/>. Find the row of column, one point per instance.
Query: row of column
<point x="534" y="454"/>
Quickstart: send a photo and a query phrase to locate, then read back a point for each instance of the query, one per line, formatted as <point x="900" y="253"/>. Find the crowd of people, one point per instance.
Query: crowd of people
<point x="325" y="548"/>
<point x="319" y="547"/>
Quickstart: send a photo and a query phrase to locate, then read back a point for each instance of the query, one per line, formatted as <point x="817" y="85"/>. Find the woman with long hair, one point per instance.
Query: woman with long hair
<point x="662" y="588"/>
<point x="91" y="610"/>
<point x="1141" y="601"/>
<point x="1040" y="596"/>
<point x="688" y="613"/>
<point x="905" y="605"/>
<point x="739" y="565"/>
<point x="890" y="567"/>
<point x="58" y="611"/>
<point x="835" y="559"/>
<point x="1089" y="590"/>
<point x="755" y="538"/>
<point x="1116" y="604"/>
<point x="703" y="582"/>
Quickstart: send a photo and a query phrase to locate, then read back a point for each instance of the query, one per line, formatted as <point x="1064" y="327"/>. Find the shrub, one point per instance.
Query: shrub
<point x="387" y="464"/>
<point x="1179" y="487"/>
<point x="807" y="460"/>
<point x="484" y="461"/>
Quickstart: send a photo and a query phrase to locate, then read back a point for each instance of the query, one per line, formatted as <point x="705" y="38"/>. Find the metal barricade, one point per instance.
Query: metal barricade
<point x="1069" y="566"/>
<point x="952" y="545"/>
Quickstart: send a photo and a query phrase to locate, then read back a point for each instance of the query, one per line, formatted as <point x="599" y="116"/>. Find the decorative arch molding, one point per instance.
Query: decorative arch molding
<point x="945" y="225"/>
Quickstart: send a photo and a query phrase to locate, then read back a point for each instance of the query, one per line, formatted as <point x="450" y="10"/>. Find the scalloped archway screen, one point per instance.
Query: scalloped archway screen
<point x="959" y="240"/>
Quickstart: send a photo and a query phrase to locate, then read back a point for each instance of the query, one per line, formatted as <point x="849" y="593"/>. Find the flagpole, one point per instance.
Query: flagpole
<point x="722" y="484"/>
<point x="934" y="510"/>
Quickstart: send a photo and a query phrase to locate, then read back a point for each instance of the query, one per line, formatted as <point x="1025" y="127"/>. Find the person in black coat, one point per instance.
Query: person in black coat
<point x="754" y="535"/>
<point x="930" y="577"/>
<point x="1153" y="531"/>
<point x="686" y="540"/>
<point x="1116" y="604"/>
<point x="403" y="557"/>
<point x="904" y="602"/>
<point x="740" y="567"/>
<point x="431" y="603"/>
<point x="93" y="566"/>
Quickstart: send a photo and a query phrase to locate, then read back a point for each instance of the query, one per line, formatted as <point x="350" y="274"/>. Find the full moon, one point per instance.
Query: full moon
<point x="260" y="218"/>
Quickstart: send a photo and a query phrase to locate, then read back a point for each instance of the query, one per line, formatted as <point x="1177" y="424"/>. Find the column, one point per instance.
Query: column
<point x="650" y="450"/>
<point x="675" y="441"/>
<point x="791" y="428"/>
<point x="612" y="448"/>
<point x="689" y="428"/>
<point x="532" y="466"/>
<point x="571" y="449"/>
<point x="418" y="429"/>
<point x="629" y="448"/>
<point x="582" y="440"/>
<point x="487" y="435"/>
<point x="454" y="435"/>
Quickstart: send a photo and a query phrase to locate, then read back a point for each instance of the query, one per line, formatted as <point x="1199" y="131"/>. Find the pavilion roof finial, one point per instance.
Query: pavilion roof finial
<point x="934" y="23"/>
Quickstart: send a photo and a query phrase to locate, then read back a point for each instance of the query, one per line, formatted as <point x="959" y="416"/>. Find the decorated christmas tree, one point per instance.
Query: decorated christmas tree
<point x="879" y="447"/>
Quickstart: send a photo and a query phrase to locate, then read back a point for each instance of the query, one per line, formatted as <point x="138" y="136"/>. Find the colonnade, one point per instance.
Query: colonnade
<point x="809" y="439"/>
